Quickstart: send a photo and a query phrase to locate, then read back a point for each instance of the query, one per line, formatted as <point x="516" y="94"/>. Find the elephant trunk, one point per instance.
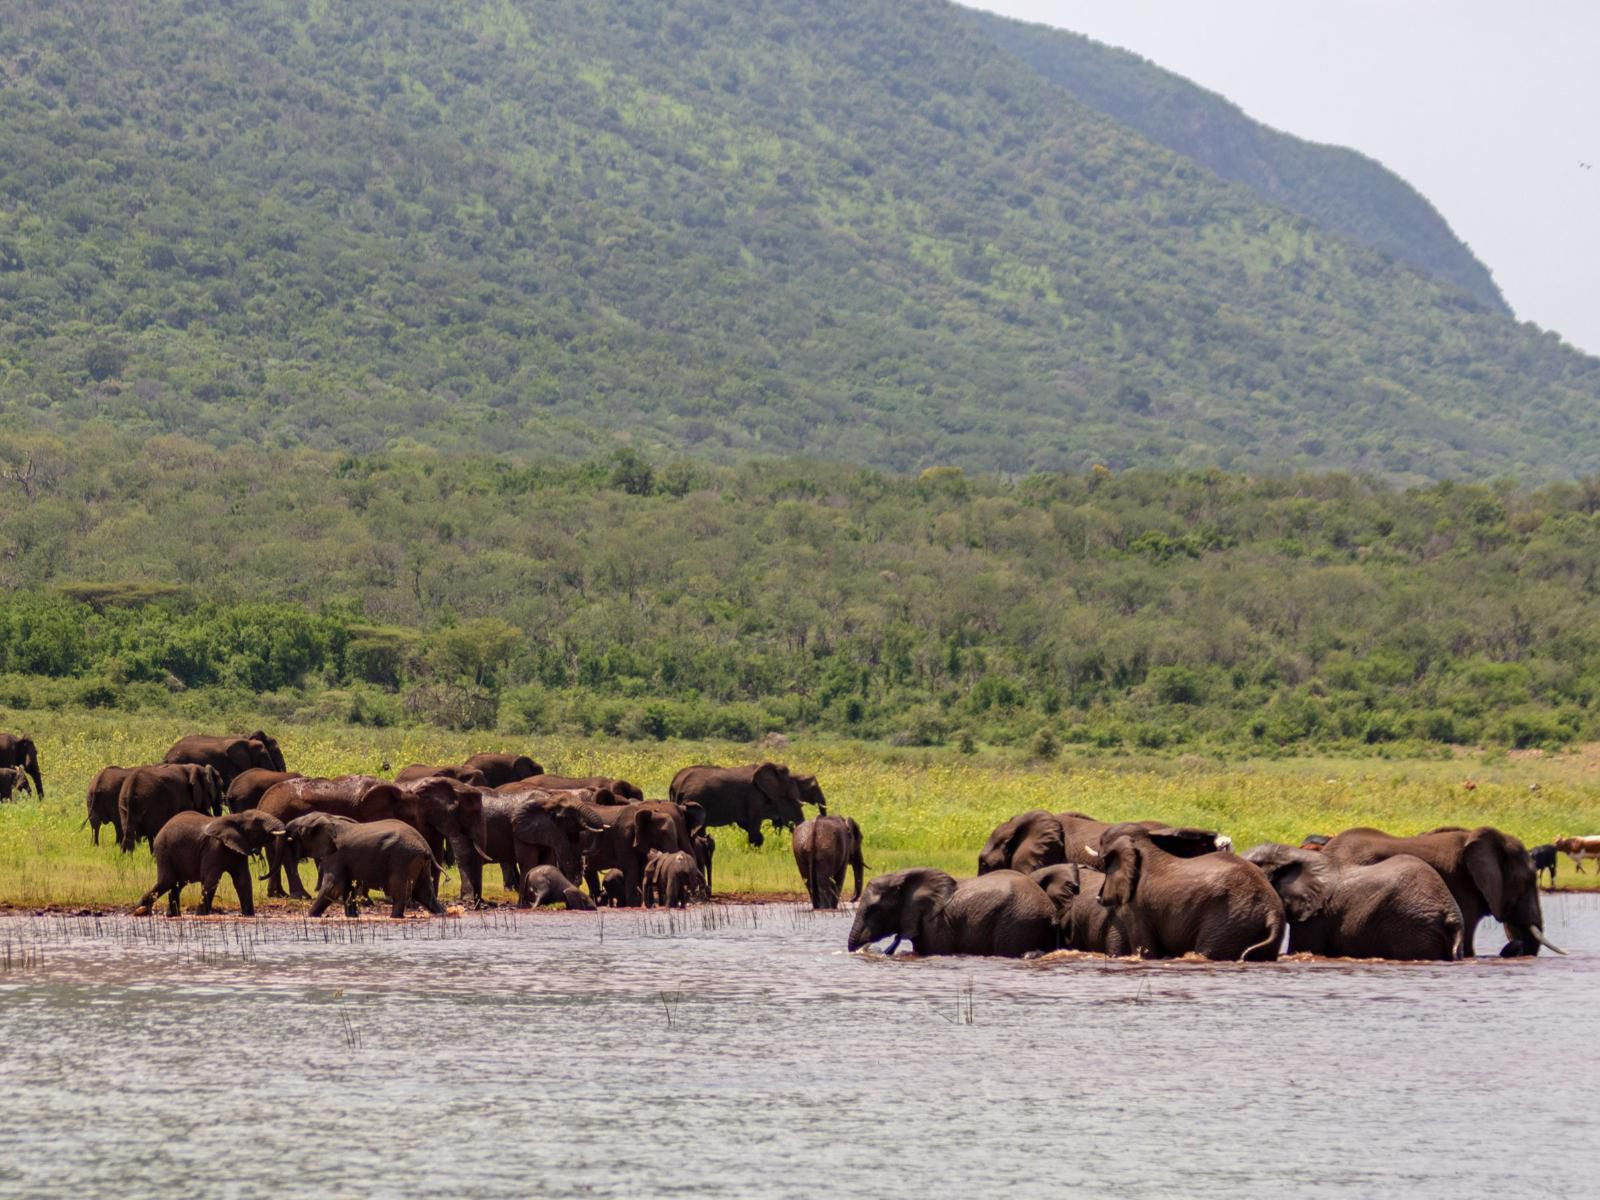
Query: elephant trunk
<point x="466" y="853"/>
<point x="1525" y="941"/>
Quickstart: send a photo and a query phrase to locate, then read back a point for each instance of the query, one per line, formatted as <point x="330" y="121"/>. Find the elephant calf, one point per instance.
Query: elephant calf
<point x="613" y="889"/>
<point x="388" y="853"/>
<point x="13" y="779"/>
<point x="545" y="885"/>
<point x="194" y="847"/>
<point x="1003" y="913"/>
<point x="1398" y="908"/>
<point x="672" y="880"/>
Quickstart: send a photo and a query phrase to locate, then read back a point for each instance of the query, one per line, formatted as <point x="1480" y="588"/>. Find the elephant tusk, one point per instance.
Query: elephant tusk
<point x="1538" y="936"/>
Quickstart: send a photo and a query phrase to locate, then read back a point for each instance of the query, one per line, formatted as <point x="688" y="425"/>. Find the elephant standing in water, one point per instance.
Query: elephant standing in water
<point x="1165" y="905"/>
<point x="196" y="848"/>
<point x="823" y="848"/>
<point x="18" y="750"/>
<point x="1488" y="873"/>
<point x="1002" y="913"/>
<point x="1027" y="842"/>
<point x="1398" y="908"/>
<point x="1082" y="922"/>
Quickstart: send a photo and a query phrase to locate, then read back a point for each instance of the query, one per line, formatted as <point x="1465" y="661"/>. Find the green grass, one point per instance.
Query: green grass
<point x="915" y="807"/>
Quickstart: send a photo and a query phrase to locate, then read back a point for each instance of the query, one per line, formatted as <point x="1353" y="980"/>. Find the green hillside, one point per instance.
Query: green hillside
<point x="1141" y="609"/>
<point x="1337" y="188"/>
<point x="853" y="230"/>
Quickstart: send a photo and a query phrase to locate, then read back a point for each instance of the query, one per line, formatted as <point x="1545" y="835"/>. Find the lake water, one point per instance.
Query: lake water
<point x="736" y="1051"/>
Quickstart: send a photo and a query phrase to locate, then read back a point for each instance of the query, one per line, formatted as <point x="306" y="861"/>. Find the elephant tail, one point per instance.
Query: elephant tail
<point x="1266" y="950"/>
<point x="1455" y="928"/>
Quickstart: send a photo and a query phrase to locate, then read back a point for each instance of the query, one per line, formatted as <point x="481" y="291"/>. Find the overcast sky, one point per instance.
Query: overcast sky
<point x="1487" y="107"/>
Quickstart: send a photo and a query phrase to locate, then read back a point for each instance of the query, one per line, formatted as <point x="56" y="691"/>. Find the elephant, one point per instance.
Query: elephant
<point x="1398" y="908"/>
<point x="1487" y="871"/>
<point x="352" y="854"/>
<point x="418" y="771"/>
<point x="620" y="788"/>
<point x="229" y="756"/>
<point x="626" y="835"/>
<point x="1165" y="905"/>
<point x="150" y="796"/>
<point x="823" y="848"/>
<point x="13" y="779"/>
<point x="705" y="850"/>
<point x="196" y="848"/>
<point x="528" y="828"/>
<point x="498" y="769"/>
<point x="18" y="750"/>
<point x="545" y="885"/>
<point x="747" y="796"/>
<point x="672" y="880"/>
<point x="613" y="888"/>
<point x="1082" y="922"/>
<point x="359" y="797"/>
<point x="249" y="786"/>
<point x="102" y="801"/>
<point x="1084" y="836"/>
<point x="1025" y="843"/>
<point x="450" y="816"/>
<point x="1003" y="913"/>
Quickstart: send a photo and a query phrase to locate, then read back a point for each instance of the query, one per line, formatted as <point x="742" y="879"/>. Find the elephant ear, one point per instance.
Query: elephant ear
<point x="768" y="781"/>
<point x="227" y="831"/>
<point x="925" y="894"/>
<point x="1486" y="866"/>
<point x="1123" y="863"/>
<point x="1305" y="881"/>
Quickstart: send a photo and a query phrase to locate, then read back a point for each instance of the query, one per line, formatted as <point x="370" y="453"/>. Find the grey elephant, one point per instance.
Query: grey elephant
<point x="1398" y="908"/>
<point x="351" y="854"/>
<point x="1027" y="842"/>
<point x="18" y="750"/>
<point x="546" y="885"/>
<point x="672" y="879"/>
<point x="150" y="796"/>
<point x="102" y="802"/>
<point x="1216" y="905"/>
<point x="823" y="848"/>
<point x="1487" y="871"/>
<point x="194" y="847"/>
<point x="1082" y="922"/>
<point x="705" y="853"/>
<point x="13" y="779"/>
<point x="747" y="796"/>
<point x="1003" y="913"/>
<point x="613" y="888"/>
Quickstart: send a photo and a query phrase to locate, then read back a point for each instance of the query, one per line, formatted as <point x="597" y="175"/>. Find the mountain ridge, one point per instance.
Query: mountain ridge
<point x="853" y="230"/>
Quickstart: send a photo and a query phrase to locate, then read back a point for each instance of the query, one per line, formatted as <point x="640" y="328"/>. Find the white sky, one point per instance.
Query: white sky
<point x="1486" y="107"/>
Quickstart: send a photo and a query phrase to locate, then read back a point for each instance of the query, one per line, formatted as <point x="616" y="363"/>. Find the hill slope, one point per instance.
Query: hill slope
<point x="854" y="230"/>
<point x="1337" y="188"/>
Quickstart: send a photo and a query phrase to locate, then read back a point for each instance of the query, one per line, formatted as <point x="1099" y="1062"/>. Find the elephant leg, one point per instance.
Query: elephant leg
<point x="240" y="874"/>
<point x="425" y="895"/>
<point x="172" y="899"/>
<point x="274" y="876"/>
<point x="164" y="882"/>
<point x="399" y="888"/>
<point x="508" y="876"/>
<point x="291" y="866"/>
<point x="333" y="885"/>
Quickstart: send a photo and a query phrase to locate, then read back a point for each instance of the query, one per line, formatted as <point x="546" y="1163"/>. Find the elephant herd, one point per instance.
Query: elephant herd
<point x="215" y="801"/>
<point x="1066" y="881"/>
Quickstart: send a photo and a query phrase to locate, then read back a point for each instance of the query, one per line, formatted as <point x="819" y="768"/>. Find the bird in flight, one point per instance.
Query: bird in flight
<point x="1587" y="166"/>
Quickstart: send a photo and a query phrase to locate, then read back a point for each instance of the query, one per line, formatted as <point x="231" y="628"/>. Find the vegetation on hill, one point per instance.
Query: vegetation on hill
<point x="1337" y="188"/>
<point x="1139" y="609"/>
<point x="854" y="230"/>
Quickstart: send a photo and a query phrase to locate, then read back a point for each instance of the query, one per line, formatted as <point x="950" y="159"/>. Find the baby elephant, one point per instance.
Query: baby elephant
<point x="14" y="779"/>
<point x="613" y="888"/>
<point x="823" y="848"/>
<point x="350" y="854"/>
<point x="672" y="880"/>
<point x="194" y="847"/>
<point x="1398" y="908"/>
<point x="546" y="885"/>
<point x="1082" y="922"/>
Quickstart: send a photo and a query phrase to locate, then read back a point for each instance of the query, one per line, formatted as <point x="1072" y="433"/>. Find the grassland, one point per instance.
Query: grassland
<point x="915" y="807"/>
